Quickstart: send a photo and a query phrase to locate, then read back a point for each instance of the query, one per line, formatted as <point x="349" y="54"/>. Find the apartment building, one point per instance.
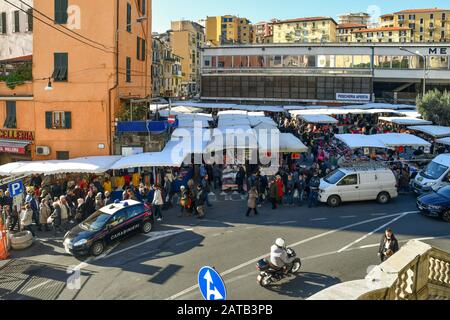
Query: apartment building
<point x="344" y="32"/>
<point x="186" y="39"/>
<point x="263" y="31"/>
<point x="228" y="29"/>
<point x="82" y="78"/>
<point x="301" y="30"/>
<point x="16" y="29"/>
<point x="386" y="34"/>
<point x="361" y="18"/>
<point x="428" y="25"/>
<point x="386" y="21"/>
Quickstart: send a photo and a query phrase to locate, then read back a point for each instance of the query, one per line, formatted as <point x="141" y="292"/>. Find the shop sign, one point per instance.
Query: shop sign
<point x="19" y="150"/>
<point x="16" y="135"/>
<point x="353" y="96"/>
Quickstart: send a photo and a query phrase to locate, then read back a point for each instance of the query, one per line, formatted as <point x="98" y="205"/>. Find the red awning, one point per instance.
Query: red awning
<point x="13" y="146"/>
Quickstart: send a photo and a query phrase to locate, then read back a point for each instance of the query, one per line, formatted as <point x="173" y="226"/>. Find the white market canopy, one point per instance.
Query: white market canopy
<point x="402" y="140"/>
<point x="318" y="119"/>
<point x="230" y="106"/>
<point x="357" y="141"/>
<point x="291" y="144"/>
<point x="239" y="137"/>
<point x="434" y="131"/>
<point x="406" y="121"/>
<point x="6" y="169"/>
<point x="382" y="141"/>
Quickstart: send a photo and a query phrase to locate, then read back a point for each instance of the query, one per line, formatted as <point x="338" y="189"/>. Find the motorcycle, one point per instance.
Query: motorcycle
<point x="268" y="275"/>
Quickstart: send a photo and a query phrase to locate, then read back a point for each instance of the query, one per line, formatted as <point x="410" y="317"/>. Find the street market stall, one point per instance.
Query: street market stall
<point x="432" y="131"/>
<point x="317" y="119"/>
<point x="405" y="121"/>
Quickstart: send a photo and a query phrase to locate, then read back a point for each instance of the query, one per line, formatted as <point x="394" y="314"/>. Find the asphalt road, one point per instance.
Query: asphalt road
<point x="336" y="245"/>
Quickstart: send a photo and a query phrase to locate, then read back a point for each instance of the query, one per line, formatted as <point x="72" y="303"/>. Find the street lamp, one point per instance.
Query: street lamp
<point x="418" y="54"/>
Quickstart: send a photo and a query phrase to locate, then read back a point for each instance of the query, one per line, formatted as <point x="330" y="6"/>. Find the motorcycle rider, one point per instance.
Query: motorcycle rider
<point x="279" y="257"/>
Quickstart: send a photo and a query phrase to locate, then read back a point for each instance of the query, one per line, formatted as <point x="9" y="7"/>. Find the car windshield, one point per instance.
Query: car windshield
<point x="445" y="192"/>
<point x="96" y="221"/>
<point x="334" y="177"/>
<point x="434" y="171"/>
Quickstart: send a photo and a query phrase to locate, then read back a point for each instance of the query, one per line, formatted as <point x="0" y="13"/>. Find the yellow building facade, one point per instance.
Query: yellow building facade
<point x="313" y="29"/>
<point x="428" y="25"/>
<point x="388" y="34"/>
<point x="228" y="29"/>
<point x="344" y="32"/>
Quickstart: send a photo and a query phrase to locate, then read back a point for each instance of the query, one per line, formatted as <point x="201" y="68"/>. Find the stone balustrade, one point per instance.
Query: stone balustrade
<point x="417" y="272"/>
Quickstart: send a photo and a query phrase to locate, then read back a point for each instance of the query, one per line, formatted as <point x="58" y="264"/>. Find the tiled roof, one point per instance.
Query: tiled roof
<point x="351" y="25"/>
<point x="305" y="20"/>
<point x="422" y="10"/>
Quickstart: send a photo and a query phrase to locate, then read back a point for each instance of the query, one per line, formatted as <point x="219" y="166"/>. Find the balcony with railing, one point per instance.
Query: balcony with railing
<point x="16" y="76"/>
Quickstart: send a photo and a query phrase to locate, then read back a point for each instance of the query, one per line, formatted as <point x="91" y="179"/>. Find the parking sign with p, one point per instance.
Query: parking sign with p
<point x="15" y="188"/>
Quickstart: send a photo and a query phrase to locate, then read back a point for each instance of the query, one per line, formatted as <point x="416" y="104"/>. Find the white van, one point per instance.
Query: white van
<point x="434" y="176"/>
<point x="358" y="184"/>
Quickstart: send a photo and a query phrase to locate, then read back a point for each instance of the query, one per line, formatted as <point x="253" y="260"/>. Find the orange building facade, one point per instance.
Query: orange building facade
<point x="98" y="60"/>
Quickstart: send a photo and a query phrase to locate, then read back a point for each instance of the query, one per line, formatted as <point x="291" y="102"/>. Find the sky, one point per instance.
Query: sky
<point x="164" y="11"/>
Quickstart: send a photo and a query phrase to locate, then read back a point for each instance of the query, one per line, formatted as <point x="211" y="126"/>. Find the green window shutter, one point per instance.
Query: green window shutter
<point x="144" y="53"/>
<point x="3" y="23"/>
<point x="16" y="21"/>
<point x="61" y="61"/>
<point x="48" y="120"/>
<point x="30" y="19"/>
<point x="12" y="114"/>
<point x="143" y="6"/>
<point x="61" y="15"/>
<point x="138" y="50"/>
<point x="128" y="17"/>
<point x="68" y="120"/>
<point x="128" y="70"/>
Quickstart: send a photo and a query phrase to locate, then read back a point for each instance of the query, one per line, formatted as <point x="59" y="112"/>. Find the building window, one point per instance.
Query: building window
<point x="128" y="17"/>
<point x="128" y="70"/>
<point x="3" y="23"/>
<point x="60" y="71"/>
<point x="30" y="19"/>
<point x="62" y="155"/>
<point x="141" y="49"/>
<point x="61" y="11"/>
<point x="16" y="21"/>
<point x="10" y="121"/>
<point x="58" y="120"/>
<point x="431" y="16"/>
<point x="142" y="6"/>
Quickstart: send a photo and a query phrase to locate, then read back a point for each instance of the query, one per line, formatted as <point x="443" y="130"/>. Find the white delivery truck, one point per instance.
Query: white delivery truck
<point x="434" y="176"/>
<point x="358" y="184"/>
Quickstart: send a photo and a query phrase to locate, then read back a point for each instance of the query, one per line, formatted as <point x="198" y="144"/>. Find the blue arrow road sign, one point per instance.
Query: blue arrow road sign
<point x="15" y="188"/>
<point x="211" y="284"/>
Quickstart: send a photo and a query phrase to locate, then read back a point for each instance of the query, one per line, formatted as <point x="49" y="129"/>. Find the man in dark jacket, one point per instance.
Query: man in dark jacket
<point x="90" y="203"/>
<point x="206" y="186"/>
<point x="56" y="217"/>
<point x="314" y="185"/>
<point x="273" y="194"/>
<point x="388" y="246"/>
<point x="167" y="193"/>
<point x="200" y="202"/>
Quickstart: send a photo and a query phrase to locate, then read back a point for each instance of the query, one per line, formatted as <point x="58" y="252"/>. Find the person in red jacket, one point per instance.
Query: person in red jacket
<point x="279" y="183"/>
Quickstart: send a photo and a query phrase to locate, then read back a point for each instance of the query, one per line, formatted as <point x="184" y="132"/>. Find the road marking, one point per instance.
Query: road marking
<point x="319" y="219"/>
<point x="348" y="217"/>
<point x="245" y="264"/>
<point x="269" y="222"/>
<point x="378" y="214"/>
<point x="216" y="234"/>
<point x="376" y="230"/>
<point x="288" y="222"/>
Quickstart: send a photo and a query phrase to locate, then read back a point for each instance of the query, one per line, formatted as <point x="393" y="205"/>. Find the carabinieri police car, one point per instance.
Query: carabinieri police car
<point x="111" y="223"/>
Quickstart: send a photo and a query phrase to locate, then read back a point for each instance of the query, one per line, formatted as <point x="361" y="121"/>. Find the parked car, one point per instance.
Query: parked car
<point x="358" y="184"/>
<point x="111" y="223"/>
<point x="436" y="204"/>
<point x="434" y="176"/>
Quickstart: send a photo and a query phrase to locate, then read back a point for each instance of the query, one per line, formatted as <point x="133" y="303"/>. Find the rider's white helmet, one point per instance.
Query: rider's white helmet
<point x="280" y="243"/>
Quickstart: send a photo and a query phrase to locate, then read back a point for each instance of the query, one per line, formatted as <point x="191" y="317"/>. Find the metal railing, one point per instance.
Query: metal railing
<point x="287" y="70"/>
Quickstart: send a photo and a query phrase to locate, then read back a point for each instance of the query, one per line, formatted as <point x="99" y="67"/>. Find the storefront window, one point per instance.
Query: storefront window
<point x="400" y="62"/>
<point x="325" y="61"/>
<point x="225" y="62"/>
<point x="344" y="61"/>
<point x="438" y="62"/>
<point x="240" y="62"/>
<point x="383" y="62"/>
<point x="361" y="61"/>
<point x="290" y="62"/>
<point x="207" y="62"/>
<point x="257" y="62"/>
<point x="275" y="61"/>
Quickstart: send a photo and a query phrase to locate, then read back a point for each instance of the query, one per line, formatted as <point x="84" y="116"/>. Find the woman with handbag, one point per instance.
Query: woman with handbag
<point x="44" y="213"/>
<point x="388" y="246"/>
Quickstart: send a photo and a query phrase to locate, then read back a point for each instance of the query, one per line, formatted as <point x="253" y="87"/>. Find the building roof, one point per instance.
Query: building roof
<point x="18" y="59"/>
<point x="383" y="29"/>
<point x="304" y="20"/>
<point x="422" y="10"/>
<point x="351" y="25"/>
<point x="387" y="15"/>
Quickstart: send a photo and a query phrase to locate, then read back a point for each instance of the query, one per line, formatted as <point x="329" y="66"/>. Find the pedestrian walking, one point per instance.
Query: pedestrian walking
<point x="157" y="203"/>
<point x="185" y="201"/>
<point x="44" y="213"/>
<point x="388" y="246"/>
<point x="65" y="213"/>
<point x="273" y="194"/>
<point x="99" y="201"/>
<point x="56" y="219"/>
<point x="26" y="219"/>
<point x="81" y="211"/>
<point x="314" y="184"/>
<point x="200" y="202"/>
<point x="206" y="186"/>
<point x="252" y="201"/>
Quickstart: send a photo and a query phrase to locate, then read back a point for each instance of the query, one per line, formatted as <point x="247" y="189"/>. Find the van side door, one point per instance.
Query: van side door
<point x="348" y="188"/>
<point x="370" y="185"/>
